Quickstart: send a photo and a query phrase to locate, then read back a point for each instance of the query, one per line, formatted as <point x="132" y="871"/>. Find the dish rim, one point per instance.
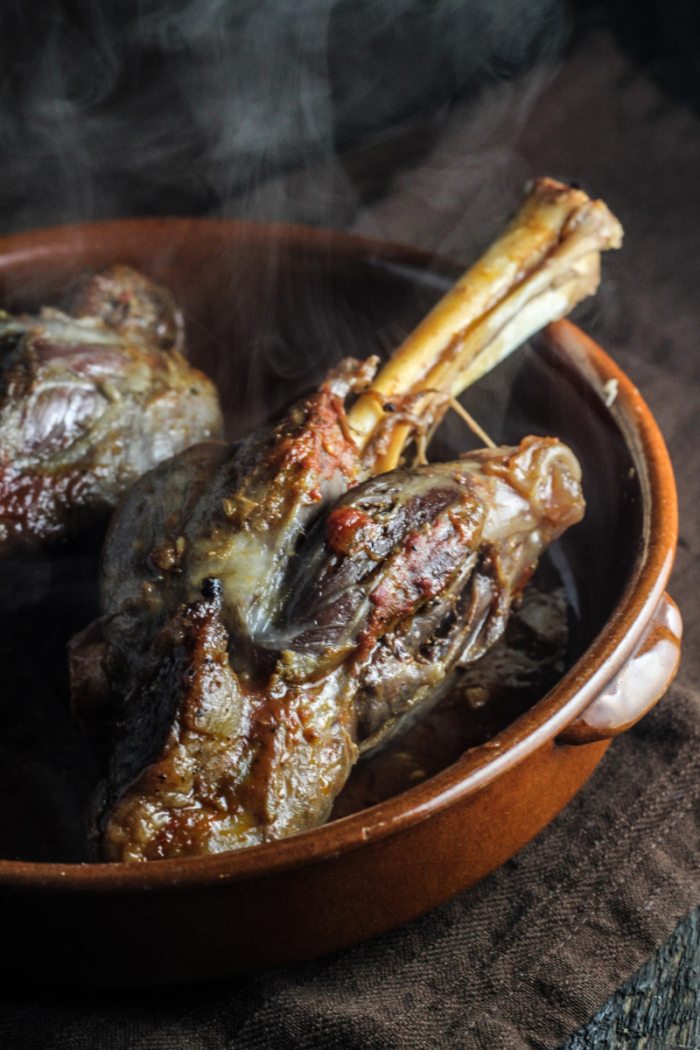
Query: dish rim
<point x="477" y="766"/>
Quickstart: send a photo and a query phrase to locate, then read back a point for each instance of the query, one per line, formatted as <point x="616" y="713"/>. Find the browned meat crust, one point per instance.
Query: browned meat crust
<point x="327" y="642"/>
<point x="408" y="575"/>
<point x="89" y="403"/>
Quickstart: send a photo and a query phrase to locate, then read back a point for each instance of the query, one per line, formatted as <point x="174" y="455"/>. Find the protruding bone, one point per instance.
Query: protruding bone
<point x="543" y="264"/>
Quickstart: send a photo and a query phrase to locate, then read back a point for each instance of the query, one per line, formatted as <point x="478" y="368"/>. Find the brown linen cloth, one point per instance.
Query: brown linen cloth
<point x="524" y="958"/>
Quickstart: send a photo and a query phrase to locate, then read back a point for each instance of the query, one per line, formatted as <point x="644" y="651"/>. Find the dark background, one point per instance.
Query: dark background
<point x="417" y="121"/>
<point x="143" y="107"/>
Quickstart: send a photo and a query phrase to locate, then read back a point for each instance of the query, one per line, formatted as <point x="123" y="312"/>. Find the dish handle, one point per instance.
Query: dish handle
<point x="641" y="681"/>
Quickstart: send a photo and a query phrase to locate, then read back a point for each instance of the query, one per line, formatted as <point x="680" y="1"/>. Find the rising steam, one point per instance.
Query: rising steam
<point x="184" y="108"/>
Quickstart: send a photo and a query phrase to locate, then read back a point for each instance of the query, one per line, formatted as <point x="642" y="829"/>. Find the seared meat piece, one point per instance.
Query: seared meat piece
<point x="404" y="578"/>
<point x="238" y="511"/>
<point x="89" y="402"/>
<point x="235" y="513"/>
<point x="443" y="593"/>
<point x="241" y="705"/>
<point x="205" y="762"/>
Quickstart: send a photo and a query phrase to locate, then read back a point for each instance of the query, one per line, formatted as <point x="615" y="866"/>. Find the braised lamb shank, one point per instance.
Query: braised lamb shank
<point x="275" y="608"/>
<point x="91" y="397"/>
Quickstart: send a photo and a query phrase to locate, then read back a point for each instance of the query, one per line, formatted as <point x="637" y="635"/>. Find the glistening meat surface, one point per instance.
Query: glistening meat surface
<point x="404" y="578"/>
<point x="90" y="399"/>
<point x="248" y="660"/>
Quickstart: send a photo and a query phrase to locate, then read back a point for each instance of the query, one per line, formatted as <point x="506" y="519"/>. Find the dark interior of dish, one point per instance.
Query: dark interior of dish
<point x="267" y="315"/>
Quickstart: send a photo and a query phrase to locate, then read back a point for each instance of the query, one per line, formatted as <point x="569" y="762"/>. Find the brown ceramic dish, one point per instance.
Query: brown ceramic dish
<point x="268" y="309"/>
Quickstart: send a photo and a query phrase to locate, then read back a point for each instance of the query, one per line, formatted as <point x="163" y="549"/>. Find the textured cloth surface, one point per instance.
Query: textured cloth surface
<point x="525" y="957"/>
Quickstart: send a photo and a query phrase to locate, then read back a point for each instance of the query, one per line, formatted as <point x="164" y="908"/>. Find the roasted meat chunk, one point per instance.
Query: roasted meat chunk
<point x="90" y="399"/>
<point x="236" y="512"/>
<point x="273" y="609"/>
<point x="407" y="576"/>
<point x="413" y="573"/>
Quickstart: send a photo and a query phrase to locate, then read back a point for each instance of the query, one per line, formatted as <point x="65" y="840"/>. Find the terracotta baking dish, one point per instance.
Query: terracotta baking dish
<point x="269" y="307"/>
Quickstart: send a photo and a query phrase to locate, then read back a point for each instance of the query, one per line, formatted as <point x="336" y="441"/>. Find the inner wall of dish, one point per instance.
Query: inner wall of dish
<point x="267" y="319"/>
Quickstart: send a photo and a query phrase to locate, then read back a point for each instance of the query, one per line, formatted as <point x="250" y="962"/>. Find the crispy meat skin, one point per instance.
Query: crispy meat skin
<point x="89" y="401"/>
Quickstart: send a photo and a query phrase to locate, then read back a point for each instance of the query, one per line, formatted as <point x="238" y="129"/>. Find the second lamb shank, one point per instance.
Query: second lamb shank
<point x="91" y="397"/>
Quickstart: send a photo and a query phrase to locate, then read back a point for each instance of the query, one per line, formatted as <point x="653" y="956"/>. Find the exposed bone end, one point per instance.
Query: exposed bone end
<point x="547" y="198"/>
<point x="599" y="222"/>
<point x="546" y="190"/>
<point x="545" y="262"/>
